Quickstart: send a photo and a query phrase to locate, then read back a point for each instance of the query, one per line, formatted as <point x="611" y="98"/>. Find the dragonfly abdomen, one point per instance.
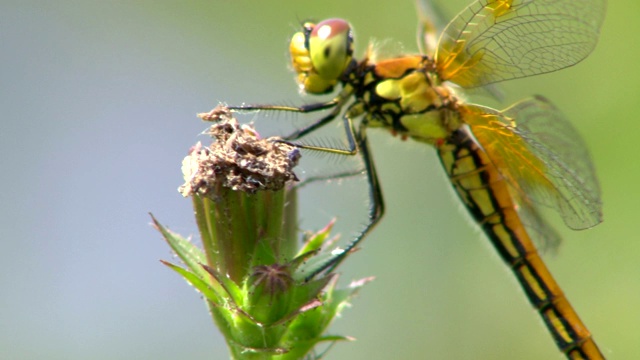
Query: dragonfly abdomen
<point x="486" y="195"/>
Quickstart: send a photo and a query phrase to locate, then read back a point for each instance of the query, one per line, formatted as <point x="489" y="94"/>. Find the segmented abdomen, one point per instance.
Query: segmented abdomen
<point x="486" y="195"/>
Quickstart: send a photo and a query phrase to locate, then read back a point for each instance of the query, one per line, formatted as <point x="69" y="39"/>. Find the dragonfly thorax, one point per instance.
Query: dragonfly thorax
<point x="405" y="95"/>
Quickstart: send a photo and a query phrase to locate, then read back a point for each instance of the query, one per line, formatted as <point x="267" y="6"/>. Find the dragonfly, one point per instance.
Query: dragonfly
<point x="505" y="165"/>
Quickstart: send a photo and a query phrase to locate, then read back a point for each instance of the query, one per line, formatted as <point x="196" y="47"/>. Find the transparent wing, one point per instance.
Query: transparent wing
<point x="545" y="237"/>
<point x="431" y="23"/>
<point x="542" y="156"/>
<point x="496" y="40"/>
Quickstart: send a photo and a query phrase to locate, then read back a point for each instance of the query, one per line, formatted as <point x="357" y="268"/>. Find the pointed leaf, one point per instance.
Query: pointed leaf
<point x="230" y="288"/>
<point x="202" y="286"/>
<point x="186" y="251"/>
<point x="316" y="240"/>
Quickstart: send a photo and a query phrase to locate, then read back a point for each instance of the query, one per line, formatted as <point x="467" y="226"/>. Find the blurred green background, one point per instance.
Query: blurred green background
<point x="98" y="101"/>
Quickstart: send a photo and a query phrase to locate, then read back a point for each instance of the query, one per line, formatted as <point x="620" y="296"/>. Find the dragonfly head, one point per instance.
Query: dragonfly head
<point x="320" y="54"/>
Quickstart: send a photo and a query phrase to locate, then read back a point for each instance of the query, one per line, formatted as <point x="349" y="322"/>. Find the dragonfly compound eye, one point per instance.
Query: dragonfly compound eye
<point x="330" y="48"/>
<point x="321" y="53"/>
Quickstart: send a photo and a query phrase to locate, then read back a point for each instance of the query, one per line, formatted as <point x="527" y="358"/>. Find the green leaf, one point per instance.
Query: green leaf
<point x="316" y="240"/>
<point x="230" y="288"/>
<point x="305" y="294"/>
<point x="194" y="259"/>
<point x="186" y="251"/>
<point x="197" y="282"/>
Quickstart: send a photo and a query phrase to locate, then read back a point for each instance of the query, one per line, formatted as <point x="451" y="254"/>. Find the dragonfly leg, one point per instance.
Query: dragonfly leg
<point x="376" y="203"/>
<point x="335" y="103"/>
<point x="349" y="131"/>
<point x="299" y="109"/>
<point x="315" y="125"/>
<point x="357" y="143"/>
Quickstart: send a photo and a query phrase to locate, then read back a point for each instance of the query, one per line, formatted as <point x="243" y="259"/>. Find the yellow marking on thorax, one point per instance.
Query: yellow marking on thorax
<point x="426" y="127"/>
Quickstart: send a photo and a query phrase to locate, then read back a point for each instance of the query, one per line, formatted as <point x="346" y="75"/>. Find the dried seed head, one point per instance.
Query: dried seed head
<point x="238" y="159"/>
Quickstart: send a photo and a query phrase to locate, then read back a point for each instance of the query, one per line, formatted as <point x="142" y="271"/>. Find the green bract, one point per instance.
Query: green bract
<point x="252" y="270"/>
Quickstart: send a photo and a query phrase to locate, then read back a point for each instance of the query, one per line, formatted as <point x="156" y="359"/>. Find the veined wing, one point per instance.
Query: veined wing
<point x="431" y="23"/>
<point x="545" y="237"/>
<point x="496" y="40"/>
<point x="542" y="156"/>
